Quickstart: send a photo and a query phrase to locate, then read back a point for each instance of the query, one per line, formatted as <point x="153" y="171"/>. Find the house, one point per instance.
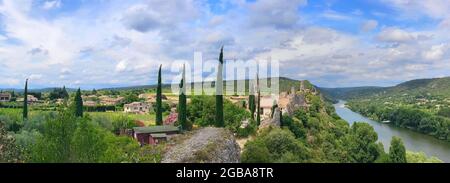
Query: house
<point x="105" y="100"/>
<point x="5" y="97"/>
<point x="89" y="103"/>
<point x="154" y="134"/>
<point x="137" y="108"/>
<point x="151" y="97"/>
<point x="30" y="99"/>
<point x="266" y="104"/>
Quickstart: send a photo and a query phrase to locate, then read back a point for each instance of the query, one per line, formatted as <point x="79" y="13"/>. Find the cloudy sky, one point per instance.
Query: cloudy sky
<point x="333" y="43"/>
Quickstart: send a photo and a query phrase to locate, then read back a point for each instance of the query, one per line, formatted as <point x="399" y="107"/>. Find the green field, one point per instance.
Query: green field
<point x="148" y="119"/>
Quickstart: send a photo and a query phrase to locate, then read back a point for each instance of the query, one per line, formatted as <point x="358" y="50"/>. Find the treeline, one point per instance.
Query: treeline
<point x="406" y="117"/>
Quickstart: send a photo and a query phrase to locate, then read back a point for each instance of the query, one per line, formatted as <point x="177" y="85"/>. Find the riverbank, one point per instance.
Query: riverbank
<point x="413" y="141"/>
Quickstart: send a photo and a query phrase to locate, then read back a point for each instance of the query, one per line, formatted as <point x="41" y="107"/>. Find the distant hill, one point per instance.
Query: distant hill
<point x="40" y="90"/>
<point x="434" y="86"/>
<point x="285" y="84"/>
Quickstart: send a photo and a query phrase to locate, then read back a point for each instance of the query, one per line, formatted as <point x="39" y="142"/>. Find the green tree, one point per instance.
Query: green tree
<point x="54" y="146"/>
<point x="219" y="91"/>
<point x="25" y="101"/>
<point x="397" y="151"/>
<point x="251" y="102"/>
<point x="182" y="110"/>
<point x="159" y="115"/>
<point x="258" y="105"/>
<point x="9" y="151"/>
<point x="65" y="94"/>
<point x="88" y="143"/>
<point x="362" y="143"/>
<point x="255" y="152"/>
<point x="78" y="104"/>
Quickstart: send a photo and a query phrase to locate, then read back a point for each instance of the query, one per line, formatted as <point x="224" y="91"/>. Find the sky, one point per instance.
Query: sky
<point x="332" y="43"/>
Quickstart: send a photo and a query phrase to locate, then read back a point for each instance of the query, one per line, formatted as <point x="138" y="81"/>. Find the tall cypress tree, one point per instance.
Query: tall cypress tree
<point x="65" y="94"/>
<point x="159" y="116"/>
<point x="251" y="101"/>
<point x="78" y="101"/>
<point x="258" y="109"/>
<point x="182" y="103"/>
<point x="25" y="101"/>
<point x="219" y="90"/>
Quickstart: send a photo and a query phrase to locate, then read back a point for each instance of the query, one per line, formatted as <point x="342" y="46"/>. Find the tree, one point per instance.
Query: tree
<point x="64" y="93"/>
<point x="88" y="143"/>
<point x="397" y="151"/>
<point x="182" y="110"/>
<point x="54" y="146"/>
<point x="219" y="90"/>
<point x="362" y="143"/>
<point x="78" y="102"/>
<point x="25" y="101"/>
<point x="159" y="115"/>
<point x="255" y="152"/>
<point x="9" y="151"/>
<point x="258" y="109"/>
<point x="251" y="101"/>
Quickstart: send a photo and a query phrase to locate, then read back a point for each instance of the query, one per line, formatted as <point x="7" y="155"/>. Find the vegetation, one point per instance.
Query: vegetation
<point x="25" y="101"/>
<point x="404" y="116"/>
<point x="159" y="118"/>
<point x="420" y="157"/>
<point x="251" y="102"/>
<point x="397" y="151"/>
<point x="219" y="90"/>
<point x="59" y="93"/>
<point x="78" y="104"/>
<point x="201" y="112"/>
<point x="9" y="151"/>
<point x="182" y="110"/>
<point x="322" y="137"/>
<point x="419" y="105"/>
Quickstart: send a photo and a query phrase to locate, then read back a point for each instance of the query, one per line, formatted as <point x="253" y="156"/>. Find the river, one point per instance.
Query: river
<point x="413" y="141"/>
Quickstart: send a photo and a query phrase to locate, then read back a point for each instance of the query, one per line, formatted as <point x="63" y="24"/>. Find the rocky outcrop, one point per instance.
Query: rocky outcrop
<point x="296" y="101"/>
<point x="206" y="145"/>
<point x="275" y="121"/>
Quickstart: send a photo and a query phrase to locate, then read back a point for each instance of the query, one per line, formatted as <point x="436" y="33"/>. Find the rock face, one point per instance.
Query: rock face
<point x="295" y="102"/>
<point x="207" y="145"/>
<point x="275" y="121"/>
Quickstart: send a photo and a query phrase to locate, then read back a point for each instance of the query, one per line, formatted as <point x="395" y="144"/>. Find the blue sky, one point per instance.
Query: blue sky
<point x="333" y="43"/>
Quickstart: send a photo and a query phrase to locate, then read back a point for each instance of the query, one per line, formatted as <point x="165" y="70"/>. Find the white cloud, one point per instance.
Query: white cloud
<point x="393" y="34"/>
<point x="52" y="4"/>
<point x="369" y="25"/>
<point x="436" y="52"/>
<point x="333" y="15"/>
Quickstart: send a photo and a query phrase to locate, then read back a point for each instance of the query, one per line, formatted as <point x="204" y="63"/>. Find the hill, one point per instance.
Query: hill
<point x="418" y="87"/>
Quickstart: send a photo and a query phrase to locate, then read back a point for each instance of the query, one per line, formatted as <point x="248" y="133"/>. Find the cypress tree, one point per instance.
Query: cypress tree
<point x="159" y="116"/>
<point x="25" y="101"/>
<point x="251" y="102"/>
<point x="258" y="109"/>
<point x="182" y="104"/>
<point x="78" y="101"/>
<point x="65" y="94"/>
<point x="219" y="96"/>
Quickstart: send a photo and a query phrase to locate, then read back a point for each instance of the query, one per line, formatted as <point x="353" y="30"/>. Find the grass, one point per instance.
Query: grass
<point x="148" y="119"/>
